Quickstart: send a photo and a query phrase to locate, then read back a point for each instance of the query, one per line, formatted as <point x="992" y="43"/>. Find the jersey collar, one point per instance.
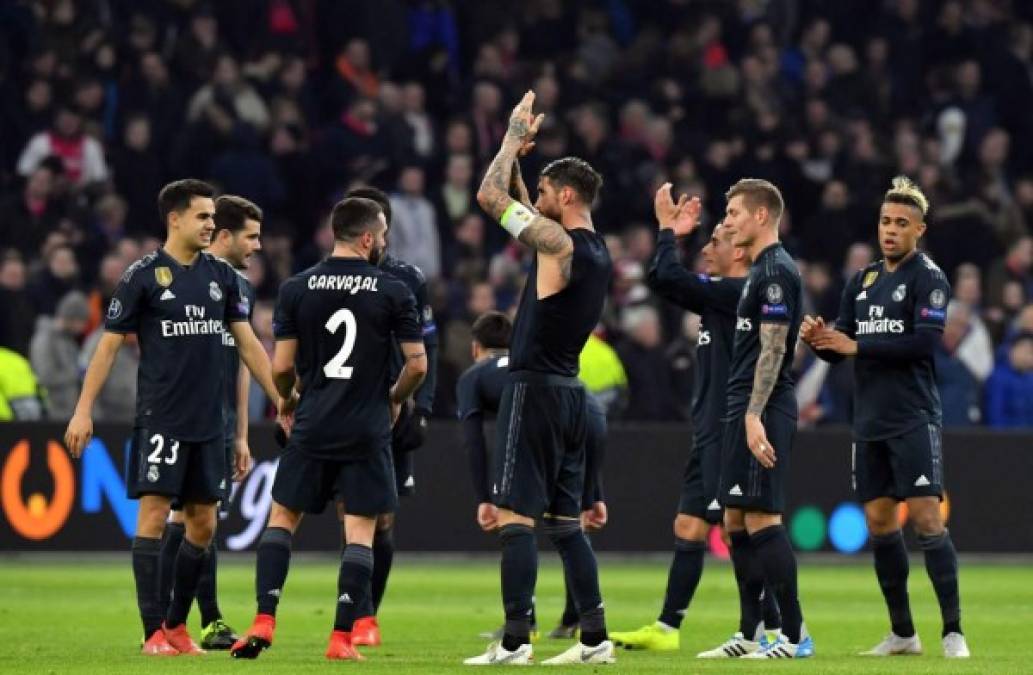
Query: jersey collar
<point x="769" y="249"/>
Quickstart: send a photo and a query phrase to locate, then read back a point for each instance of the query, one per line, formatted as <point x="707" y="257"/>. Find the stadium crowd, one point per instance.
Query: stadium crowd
<point x="292" y="102"/>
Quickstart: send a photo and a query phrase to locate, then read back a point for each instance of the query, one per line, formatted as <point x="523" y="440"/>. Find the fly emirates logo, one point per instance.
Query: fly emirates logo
<point x="877" y="324"/>
<point x="195" y="324"/>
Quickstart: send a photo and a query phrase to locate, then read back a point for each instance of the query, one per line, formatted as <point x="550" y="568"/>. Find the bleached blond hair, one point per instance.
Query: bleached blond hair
<point x="906" y="191"/>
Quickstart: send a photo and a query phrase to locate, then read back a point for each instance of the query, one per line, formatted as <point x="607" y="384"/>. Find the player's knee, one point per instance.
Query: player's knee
<point x="881" y="516"/>
<point x="360" y="529"/>
<point x="690" y="528"/>
<point x="151" y="517"/>
<point x="734" y="520"/>
<point x="200" y="523"/>
<point x="926" y="519"/>
<point x="558" y="529"/>
<point x="282" y="517"/>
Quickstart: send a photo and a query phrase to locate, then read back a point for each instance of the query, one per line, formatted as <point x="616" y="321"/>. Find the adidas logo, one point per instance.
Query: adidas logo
<point x="168" y="295"/>
<point x="714" y="506"/>
<point x="275" y="593"/>
<point x="222" y="485"/>
<point x="736" y="491"/>
<point x="863" y="295"/>
<point x="922" y="481"/>
<point x="345" y="598"/>
<point x="409" y="482"/>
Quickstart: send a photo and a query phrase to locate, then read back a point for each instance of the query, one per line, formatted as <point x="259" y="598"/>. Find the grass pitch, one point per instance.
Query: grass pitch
<point x="63" y="616"/>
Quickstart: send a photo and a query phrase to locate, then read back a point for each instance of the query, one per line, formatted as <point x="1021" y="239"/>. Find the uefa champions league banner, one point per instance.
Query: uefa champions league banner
<point x="51" y="502"/>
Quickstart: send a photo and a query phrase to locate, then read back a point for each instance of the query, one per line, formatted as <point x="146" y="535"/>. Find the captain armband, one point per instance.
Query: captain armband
<point x="516" y="218"/>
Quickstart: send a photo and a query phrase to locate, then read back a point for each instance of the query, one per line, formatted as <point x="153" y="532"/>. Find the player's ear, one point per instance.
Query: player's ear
<point x="921" y="229"/>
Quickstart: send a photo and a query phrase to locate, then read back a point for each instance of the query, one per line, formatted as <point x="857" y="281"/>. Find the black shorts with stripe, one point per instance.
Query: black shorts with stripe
<point x="539" y="463"/>
<point x="909" y="465"/>
<point x="745" y="483"/>
<point x="699" y="489"/>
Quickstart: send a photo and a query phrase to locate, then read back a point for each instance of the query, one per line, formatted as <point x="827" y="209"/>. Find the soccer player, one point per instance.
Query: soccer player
<point x="890" y="320"/>
<point x="540" y="471"/>
<point x="478" y="393"/>
<point x="336" y="324"/>
<point x="238" y="224"/>
<point x="409" y="431"/>
<point x="715" y="297"/>
<point x="760" y="418"/>
<point x="179" y="300"/>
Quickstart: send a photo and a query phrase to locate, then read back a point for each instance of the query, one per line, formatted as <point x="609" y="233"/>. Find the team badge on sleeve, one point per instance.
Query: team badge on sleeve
<point x="114" y="309"/>
<point x="163" y="275"/>
<point x="774" y="294"/>
<point x="937" y="298"/>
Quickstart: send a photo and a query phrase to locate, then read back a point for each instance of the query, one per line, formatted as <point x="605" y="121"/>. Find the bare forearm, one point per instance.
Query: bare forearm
<point x="493" y="195"/>
<point x="257" y="362"/>
<point x="517" y="187"/>
<point x="243" y="385"/>
<point x="772" y="351"/>
<point x="410" y="378"/>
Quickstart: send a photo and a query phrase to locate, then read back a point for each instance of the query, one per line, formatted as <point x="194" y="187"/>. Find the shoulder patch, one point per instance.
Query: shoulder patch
<point x="869" y="278"/>
<point x="773" y="293"/>
<point x="937" y="298"/>
<point x="138" y="265"/>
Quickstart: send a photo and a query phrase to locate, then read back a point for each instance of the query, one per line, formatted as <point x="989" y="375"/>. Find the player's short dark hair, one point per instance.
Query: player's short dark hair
<point x="577" y="174"/>
<point x="377" y="195"/>
<point x="232" y="212"/>
<point x="491" y="330"/>
<point x="354" y="216"/>
<point x="177" y="195"/>
<point x="757" y="192"/>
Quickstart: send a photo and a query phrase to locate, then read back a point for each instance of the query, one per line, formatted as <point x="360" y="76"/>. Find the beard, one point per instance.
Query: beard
<point x="376" y="256"/>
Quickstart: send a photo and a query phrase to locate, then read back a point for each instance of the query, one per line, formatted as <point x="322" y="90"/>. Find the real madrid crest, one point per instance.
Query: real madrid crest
<point x="899" y="293"/>
<point x="163" y="275"/>
<point x="215" y="291"/>
<point x="152" y="473"/>
<point x="869" y="279"/>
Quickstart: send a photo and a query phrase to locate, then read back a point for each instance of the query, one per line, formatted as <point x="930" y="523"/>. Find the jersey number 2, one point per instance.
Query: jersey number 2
<point x="335" y="368"/>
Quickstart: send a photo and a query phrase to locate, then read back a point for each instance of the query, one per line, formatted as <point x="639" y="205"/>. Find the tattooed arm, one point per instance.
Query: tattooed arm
<point x="517" y="187"/>
<point x="769" y="363"/>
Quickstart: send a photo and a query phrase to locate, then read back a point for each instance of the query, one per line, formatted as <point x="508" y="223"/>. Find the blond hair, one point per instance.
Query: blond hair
<point x="757" y="192"/>
<point x="906" y="191"/>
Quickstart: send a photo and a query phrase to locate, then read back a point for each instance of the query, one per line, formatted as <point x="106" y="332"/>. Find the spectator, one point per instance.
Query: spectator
<point x="60" y="276"/>
<point x="81" y="155"/>
<point x="414" y="228"/>
<point x="959" y="386"/>
<point x="54" y="354"/>
<point x="27" y="217"/>
<point x="414" y="100"/>
<point x="456" y="196"/>
<point x="603" y="374"/>
<point x="1009" y="391"/>
<point x="228" y="99"/>
<point x="456" y="336"/>
<point x="17" y="312"/>
<point x="20" y="397"/>
<point x="651" y="392"/>
<point x="139" y="174"/>
<point x="976" y="348"/>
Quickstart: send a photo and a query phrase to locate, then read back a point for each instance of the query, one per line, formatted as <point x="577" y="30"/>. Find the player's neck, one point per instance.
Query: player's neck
<point x="767" y="237"/>
<point x="893" y="265"/>
<point x="345" y="251"/>
<point x="575" y="220"/>
<point x="491" y="353"/>
<point x="183" y="254"/>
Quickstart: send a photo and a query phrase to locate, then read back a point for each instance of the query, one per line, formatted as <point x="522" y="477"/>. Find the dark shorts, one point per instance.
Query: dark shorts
<point x="747" y="485"/>
<point x="366" y="485"/>
<point x="909" y="465"/>
<point x="403" y="442"/>
<point x="539" y="464"/>
<point x="224" y="498"/>
<point x="595" y="446"/>
<point x="187" y="471"/>
<point x="700" y="486"/>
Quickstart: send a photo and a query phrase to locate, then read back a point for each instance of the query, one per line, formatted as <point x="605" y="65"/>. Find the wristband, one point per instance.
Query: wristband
<point x="515" y="218"/>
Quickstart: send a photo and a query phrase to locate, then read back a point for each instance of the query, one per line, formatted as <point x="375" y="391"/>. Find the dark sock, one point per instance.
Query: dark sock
<point x="749" y="577"/>
<point x="941" y="562"/>
<point x="170" y="541"/>
<point x="146" y="552"/>
<point x="570" y="613"/>
<point x="274" y="558"/>
<point x="891" y="567"/>
<point x="383" y="556"/>
<point x="582" y="573"/>
<point x="184" y="587"/>
<point x="778" y="561"/>
<point x="207" y="600"/>
<point x="682" y="580"/>
<point x="769" y="610"/>
<point x="534" y="613"/>
<point x="352" y="583"/>
<point x="519" y="575"/>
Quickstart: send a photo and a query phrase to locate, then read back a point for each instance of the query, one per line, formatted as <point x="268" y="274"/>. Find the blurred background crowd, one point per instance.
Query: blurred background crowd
<point x="292" y="102"/>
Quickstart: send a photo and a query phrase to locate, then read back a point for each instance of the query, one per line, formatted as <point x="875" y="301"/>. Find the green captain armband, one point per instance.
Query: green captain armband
<point x="515" y="218"/>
